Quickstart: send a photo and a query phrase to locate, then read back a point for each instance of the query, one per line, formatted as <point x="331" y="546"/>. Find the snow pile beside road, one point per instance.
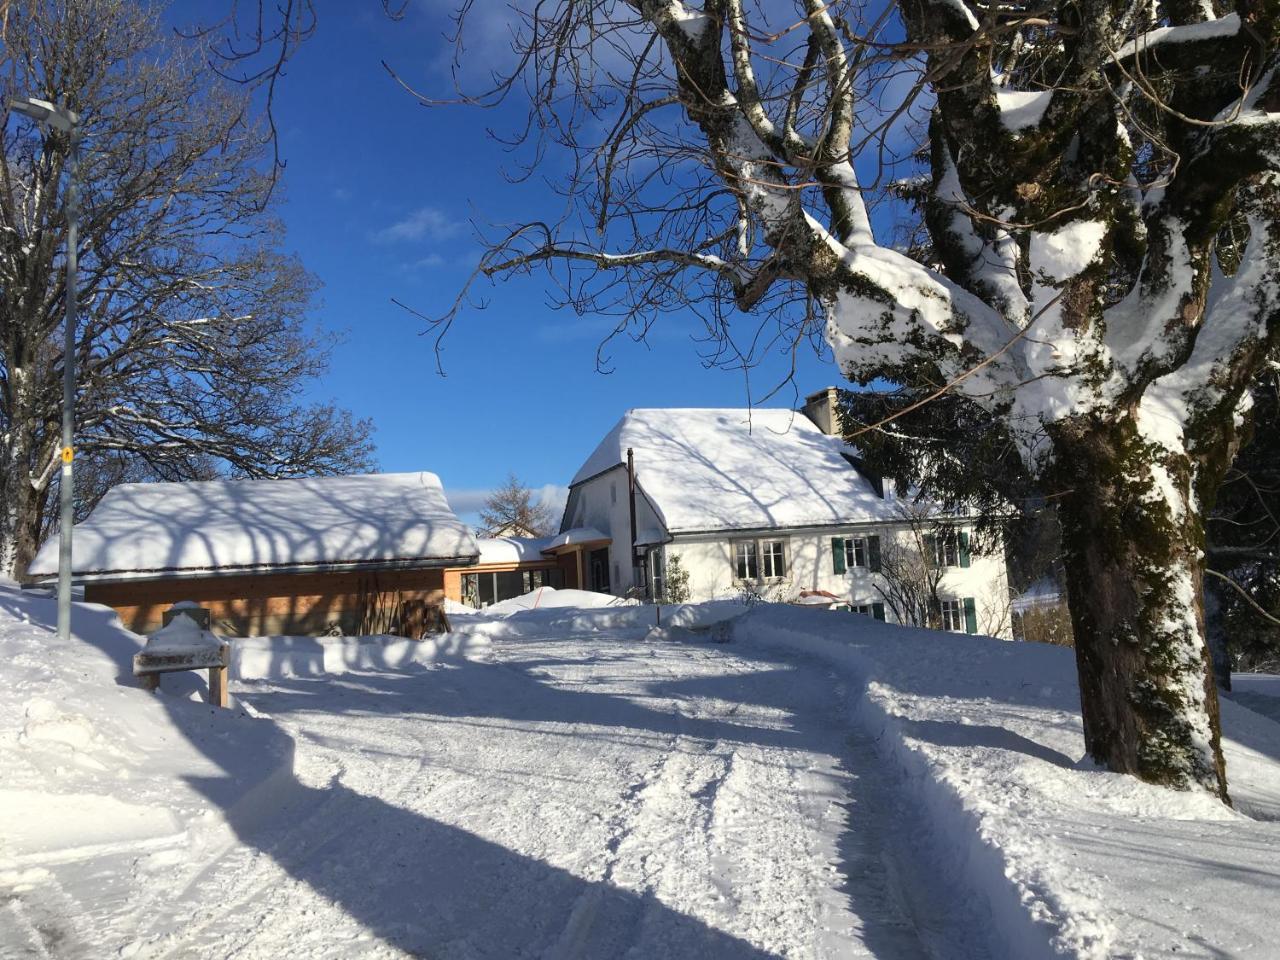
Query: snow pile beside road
<point x="563" y="616"/>
<point x="546" y="598"/>
<point x="265" y="658"/>
<point x="95" y="767"/>
<point x="1071" y="861"/>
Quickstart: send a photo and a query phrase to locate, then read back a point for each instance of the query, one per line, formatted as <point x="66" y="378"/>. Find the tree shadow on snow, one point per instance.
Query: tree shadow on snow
<point x="516" y="694"/>
<point x="411" y="881"/>
<point x="434" y="890"/>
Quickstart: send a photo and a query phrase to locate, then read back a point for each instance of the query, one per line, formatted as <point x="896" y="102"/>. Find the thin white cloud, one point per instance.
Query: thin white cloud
<point x="554" y="496"/>
<point x="467" y="503"/>
<point x="425" y="223"/>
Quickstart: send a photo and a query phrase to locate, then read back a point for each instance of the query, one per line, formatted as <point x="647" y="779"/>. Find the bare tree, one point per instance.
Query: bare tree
<point x="192" y="351"/>
<point x="909" y="568"/>
<point x="512" y="511"/>
<point x="1082" y="161"/>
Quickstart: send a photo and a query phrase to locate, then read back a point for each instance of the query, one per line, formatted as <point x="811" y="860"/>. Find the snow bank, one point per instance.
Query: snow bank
<point x="548" y="597"/>
<point x="95" y="767"/>
<point x="1071" y="861"/>
<point x="596" y="615"/>
<point x="261" y="658"/>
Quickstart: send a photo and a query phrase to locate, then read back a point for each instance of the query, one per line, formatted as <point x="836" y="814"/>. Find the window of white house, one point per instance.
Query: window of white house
<point x="862" y="608"/>
<point x="849" y="553"/>
<point x="613" y="492"/>
<point x="953" y="616"/>
<point x="855" y="552"/>
<point x="745" y="565"/>
<point x="946" y="552"/>
<point x="658" y="573"/>
<point x="775" y="559"/>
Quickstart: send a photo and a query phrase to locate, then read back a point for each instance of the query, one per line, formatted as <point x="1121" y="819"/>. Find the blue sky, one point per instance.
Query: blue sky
<point x="379" y="192"/>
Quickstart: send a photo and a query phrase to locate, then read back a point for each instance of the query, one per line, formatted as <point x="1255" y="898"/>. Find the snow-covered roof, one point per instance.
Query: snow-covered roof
<point x="575" y="536"/>
<point x="512" y="549"/>
<point x="251" y="524"/>
<point x="738" y="469"/>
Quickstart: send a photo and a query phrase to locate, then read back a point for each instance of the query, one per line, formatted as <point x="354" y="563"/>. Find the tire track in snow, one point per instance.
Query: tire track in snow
<point x="682" y="784"/>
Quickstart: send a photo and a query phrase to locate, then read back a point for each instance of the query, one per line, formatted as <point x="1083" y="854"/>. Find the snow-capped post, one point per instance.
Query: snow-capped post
<point x="185" y="642"/>
<point x="1096" y="267"/>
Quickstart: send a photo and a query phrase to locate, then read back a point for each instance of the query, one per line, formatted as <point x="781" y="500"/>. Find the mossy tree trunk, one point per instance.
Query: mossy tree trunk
<point x="1134" y="553"/>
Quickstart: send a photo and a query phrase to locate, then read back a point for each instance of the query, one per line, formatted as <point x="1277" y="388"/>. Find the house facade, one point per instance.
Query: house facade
<point x="771" y="502"/>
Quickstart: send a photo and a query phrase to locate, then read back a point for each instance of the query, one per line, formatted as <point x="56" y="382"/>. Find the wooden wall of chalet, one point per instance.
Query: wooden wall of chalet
<point x="298" y="604"/>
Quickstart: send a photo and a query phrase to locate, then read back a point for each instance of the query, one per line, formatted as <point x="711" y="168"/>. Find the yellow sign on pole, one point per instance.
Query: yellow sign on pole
<point x="67" y="454"/>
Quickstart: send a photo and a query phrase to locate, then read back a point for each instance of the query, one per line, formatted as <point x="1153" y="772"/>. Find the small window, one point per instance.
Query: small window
<point x="613" y="493"/>
<point x="745" y="565"/>
<point x="775" y="559"/>
<point x="657" y="573"/>
<point x="953" y="616"/>
<point x="855" y="552"/>
<point x="862" y="608"/>
<point x="946" y="552"/>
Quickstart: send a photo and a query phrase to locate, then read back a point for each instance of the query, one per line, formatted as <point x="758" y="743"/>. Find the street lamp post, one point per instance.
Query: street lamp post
<point x="60" y="118"/>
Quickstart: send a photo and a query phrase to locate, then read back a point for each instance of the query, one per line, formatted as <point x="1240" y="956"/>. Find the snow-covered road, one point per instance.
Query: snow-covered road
<point x="587" y="796"/>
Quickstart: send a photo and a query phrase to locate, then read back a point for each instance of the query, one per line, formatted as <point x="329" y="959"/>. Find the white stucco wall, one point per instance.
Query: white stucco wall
<point x="602" y="503"/>
<point x="708" y="560"/>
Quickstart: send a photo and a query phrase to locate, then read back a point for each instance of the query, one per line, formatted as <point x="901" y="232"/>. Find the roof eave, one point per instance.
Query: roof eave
<point x="203" y="573"/>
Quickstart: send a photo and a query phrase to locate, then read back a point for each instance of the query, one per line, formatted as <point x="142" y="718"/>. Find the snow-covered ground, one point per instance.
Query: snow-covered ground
<point x="596" y="783"/>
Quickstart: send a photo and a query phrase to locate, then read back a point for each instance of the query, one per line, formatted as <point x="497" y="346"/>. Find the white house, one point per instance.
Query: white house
<point x="766" y="501"/>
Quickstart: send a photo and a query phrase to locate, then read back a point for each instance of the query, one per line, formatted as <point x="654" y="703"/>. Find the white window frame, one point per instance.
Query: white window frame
<point x="862" y="608"/>
<point x="742" y="563"/>
<point x="766" y="559"/>
<point x="946" y="549"/>
<point x="952" y="615"/>
<point x="853" y="547"/>
<point x="658" y="573"/>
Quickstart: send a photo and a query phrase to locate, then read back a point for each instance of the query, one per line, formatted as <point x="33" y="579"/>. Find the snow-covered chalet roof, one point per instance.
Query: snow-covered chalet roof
<point x="738" y="469"/>
<point x="512" y="549"/>
<point x="148" y="528"/>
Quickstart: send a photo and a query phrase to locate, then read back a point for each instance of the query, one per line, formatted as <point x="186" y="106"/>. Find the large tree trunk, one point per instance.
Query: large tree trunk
<point x="1134" y="553"/>
<point x="20" y="523"/>
<point x="19" y="538"/>
<point x="21" y="503"/>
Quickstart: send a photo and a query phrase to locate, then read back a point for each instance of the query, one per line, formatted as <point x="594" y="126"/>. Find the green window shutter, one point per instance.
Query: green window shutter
<point x="877" y="611"/>
<point x="873" y="554"/>
<point x="837" y="554"/>
<point x="964" y="551"/>
<point x="970" y="616"/>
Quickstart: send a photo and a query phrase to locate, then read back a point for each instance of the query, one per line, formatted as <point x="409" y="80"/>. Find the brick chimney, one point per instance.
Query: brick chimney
<point x="820" y="407"/>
